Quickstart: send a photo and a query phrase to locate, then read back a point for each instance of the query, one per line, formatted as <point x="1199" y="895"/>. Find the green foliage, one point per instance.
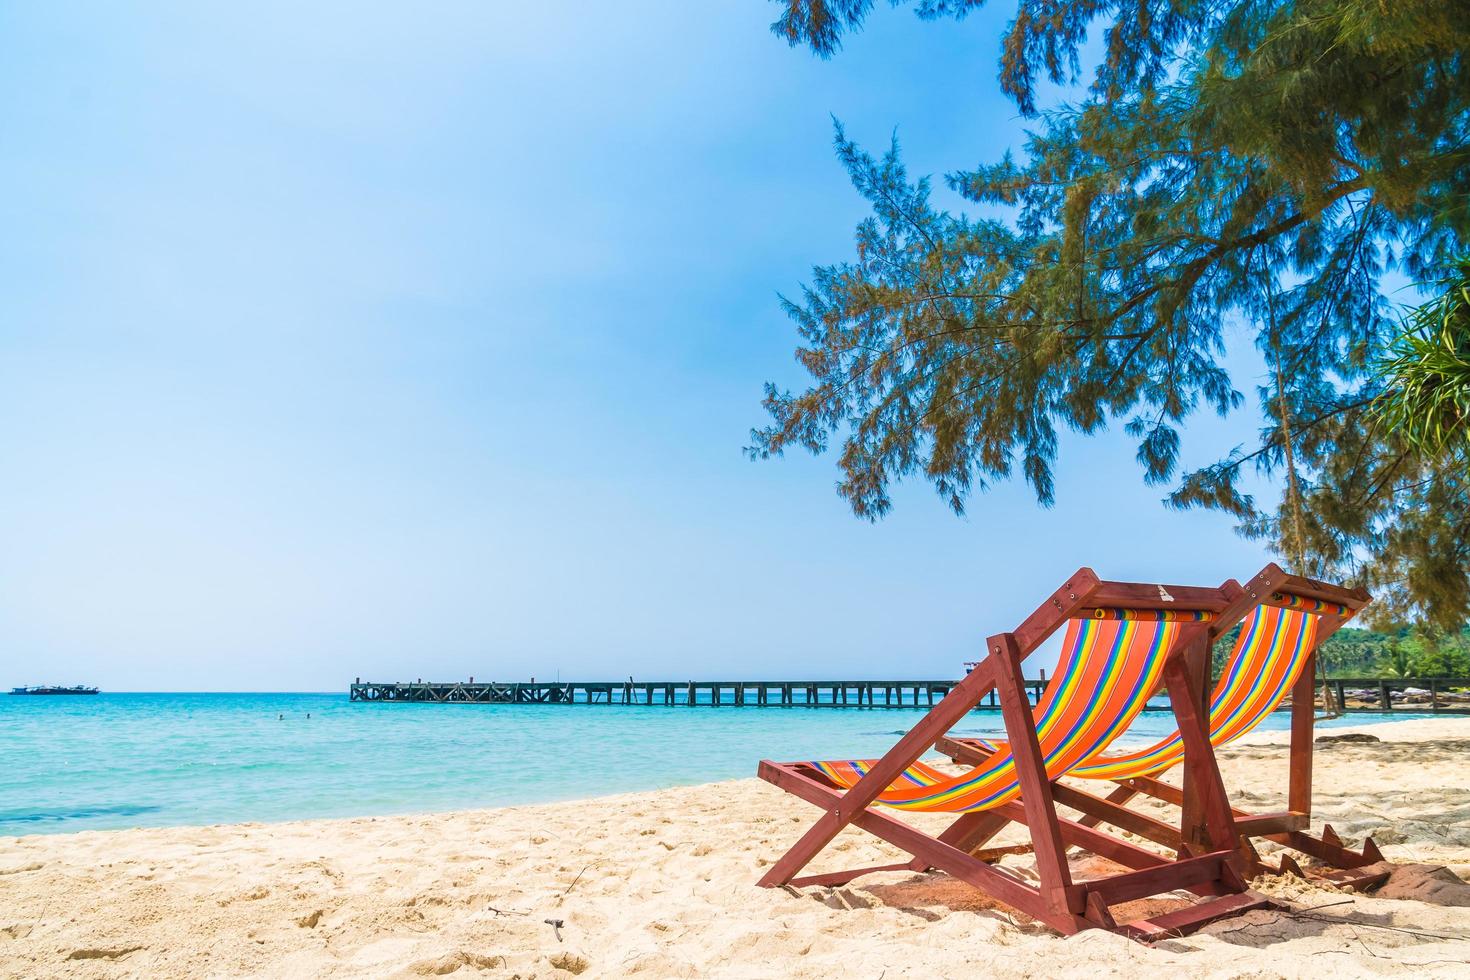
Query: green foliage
<point x="1262" y="163"/>
<point x="1427" y="380"/>
<point x="1443" y="660"/>
<point x="1403" y="653"/>
<point x="1220" y="652"/>
<point x="1354" y="652"/>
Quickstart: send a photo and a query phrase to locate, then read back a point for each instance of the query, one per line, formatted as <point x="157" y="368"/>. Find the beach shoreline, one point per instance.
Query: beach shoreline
<point x="186" y="760"/>
<point x="662" y="883"/>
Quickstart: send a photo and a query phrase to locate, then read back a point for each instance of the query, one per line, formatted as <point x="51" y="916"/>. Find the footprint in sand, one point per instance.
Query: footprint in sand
<point x="570" y="962"/>
<point x="115" y="953"/>
<point x="442" y="965"/>
<point x="21" y="869"/>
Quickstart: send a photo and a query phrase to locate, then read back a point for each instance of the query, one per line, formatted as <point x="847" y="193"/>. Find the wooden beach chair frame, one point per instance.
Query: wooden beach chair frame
<point x="1289" y="827"/>
<point x="1057" y="900"/>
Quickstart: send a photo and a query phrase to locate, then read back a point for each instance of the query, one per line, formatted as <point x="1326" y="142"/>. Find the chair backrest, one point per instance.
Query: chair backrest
<point x="1277" y="639"/>
<point x="1276" y="642"/>
<point x="1112" y="662"/>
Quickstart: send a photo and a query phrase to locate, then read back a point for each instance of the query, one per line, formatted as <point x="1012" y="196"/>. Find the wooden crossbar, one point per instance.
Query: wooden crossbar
<point x="1260" y="824"/>
<point x="1161" y="878"/>
<point x="1182" y="921"/>
<point x="1099" y="809"/>
<point x="843" y="877"/>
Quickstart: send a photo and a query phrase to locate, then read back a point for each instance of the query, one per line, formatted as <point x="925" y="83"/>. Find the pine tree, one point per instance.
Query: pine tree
<point x="1262" y="163"/>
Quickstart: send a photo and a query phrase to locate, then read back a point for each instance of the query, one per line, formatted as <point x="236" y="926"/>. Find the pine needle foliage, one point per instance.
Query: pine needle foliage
<point x="1264" y="163"/>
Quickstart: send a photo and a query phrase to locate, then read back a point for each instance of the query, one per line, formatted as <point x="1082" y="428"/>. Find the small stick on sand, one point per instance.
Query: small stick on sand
<point x="576" y="879"/>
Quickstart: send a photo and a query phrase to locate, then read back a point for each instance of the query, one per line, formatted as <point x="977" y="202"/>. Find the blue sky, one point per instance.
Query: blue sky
<point x="423" y="341"/>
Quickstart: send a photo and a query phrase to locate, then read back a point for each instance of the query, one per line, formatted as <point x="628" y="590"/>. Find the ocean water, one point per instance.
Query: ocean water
<point x="142" y="760"/>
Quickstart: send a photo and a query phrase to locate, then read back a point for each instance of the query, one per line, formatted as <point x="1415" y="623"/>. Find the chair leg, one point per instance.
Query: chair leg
<point x="818" y="836"/>
<point x="846" y="806"/>
<point x="1036" y="797"/>
<point x="1207" y="822"/>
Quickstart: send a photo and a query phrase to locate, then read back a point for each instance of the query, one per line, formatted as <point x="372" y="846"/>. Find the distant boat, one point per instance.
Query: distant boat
<point x="79" y="689"/>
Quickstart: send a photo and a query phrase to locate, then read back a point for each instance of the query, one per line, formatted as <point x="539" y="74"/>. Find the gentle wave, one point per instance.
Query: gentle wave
<point x="42" y="816"/>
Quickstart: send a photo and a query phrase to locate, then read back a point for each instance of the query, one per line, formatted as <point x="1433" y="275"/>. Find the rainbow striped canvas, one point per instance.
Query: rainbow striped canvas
<point x="1108" y="669"/>
<point x="1274" y="646"/>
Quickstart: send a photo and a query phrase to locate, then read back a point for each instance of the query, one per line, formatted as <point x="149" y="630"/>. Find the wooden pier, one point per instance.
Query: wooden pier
<point x="785" y="694"/>
<point x="1435" y="695"/>
<point x="791" y="694"/>
<point x="1430" y="695"/>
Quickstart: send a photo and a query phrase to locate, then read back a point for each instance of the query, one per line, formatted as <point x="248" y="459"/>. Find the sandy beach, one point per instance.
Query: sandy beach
<point x="661" y="884"/>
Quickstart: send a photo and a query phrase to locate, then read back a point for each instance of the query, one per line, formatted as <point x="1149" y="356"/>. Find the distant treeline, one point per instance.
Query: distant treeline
<point x="1354" y="652"/>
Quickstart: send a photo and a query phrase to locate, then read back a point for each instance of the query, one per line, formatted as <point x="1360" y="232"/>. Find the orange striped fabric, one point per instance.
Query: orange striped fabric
<point x="1152" y="615"/>
<point x="1108" y="670"/>
<point x="1275" y="643"/>
<point x="1287" y="601"/>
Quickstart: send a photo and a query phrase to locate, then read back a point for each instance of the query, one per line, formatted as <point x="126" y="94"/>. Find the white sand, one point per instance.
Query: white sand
<point x="662" y="884"/>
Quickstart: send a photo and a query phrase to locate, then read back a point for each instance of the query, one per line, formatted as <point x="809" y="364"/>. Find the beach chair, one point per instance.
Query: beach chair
<point x="1284" y="620"/>
<point x="1121" y="641"/>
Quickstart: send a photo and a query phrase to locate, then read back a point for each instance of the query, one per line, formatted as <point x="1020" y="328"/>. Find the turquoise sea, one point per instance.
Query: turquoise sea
<point x="131" y="760"/>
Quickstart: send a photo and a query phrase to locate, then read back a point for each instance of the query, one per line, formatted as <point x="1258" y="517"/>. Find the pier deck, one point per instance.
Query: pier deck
<point x="1432" y="695"/>
<point x="791" y="694"/>
<point x="826" y="694"/>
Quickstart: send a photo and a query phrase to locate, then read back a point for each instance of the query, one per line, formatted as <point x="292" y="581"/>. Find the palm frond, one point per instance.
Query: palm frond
<point x="1426" y="376"/>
